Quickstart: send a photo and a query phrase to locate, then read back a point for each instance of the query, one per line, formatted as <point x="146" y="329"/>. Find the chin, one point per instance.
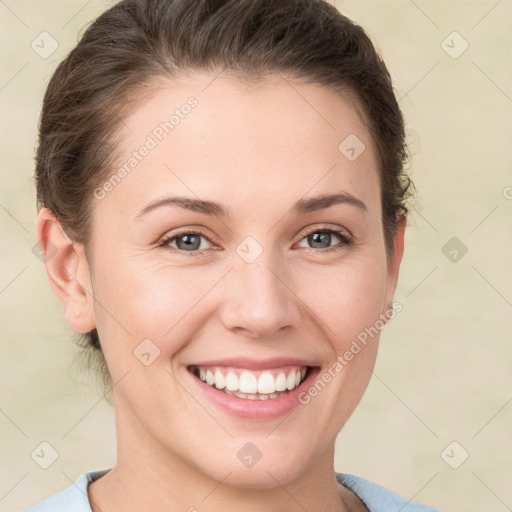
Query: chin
<point x="255" y="468"/>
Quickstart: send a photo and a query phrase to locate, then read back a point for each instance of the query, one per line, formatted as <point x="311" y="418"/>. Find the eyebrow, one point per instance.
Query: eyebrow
<point x="213" y="208"/>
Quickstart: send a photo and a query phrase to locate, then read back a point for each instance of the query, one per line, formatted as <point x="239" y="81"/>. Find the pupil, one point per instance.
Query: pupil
<point x="318" y="238"/>
<point x="190" y="242"/>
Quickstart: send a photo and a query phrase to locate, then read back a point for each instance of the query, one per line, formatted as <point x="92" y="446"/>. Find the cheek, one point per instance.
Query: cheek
<point x="168" y="304"/>
<point x="346" y="298"/>
<point x="135" y="302"/>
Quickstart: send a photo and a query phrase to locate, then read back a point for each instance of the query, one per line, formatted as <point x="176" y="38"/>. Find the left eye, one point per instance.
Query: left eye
<point x="322" y="238"/>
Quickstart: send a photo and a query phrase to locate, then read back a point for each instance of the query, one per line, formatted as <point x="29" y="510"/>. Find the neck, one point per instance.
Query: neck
<point x="148" y="476"/>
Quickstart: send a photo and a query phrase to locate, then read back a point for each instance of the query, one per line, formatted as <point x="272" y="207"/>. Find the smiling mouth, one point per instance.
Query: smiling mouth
<point x="252" y="385"/>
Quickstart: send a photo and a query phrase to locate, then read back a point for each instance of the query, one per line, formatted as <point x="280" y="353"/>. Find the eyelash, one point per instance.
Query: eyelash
<point x="346" y="239"/>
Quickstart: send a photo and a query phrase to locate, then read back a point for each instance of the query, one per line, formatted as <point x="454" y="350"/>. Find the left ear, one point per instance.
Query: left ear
<point x="395" y="258"/>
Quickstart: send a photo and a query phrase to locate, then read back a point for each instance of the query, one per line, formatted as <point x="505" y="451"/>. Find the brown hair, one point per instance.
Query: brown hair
<point x="136" y="42"/>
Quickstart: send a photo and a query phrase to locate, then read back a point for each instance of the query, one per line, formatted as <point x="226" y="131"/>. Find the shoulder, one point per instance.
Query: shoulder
<point x="71" y="499"/>
<point x="379" y="499"/>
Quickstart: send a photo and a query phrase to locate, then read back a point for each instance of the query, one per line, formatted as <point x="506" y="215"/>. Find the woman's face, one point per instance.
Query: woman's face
<point x="240" y="277"/>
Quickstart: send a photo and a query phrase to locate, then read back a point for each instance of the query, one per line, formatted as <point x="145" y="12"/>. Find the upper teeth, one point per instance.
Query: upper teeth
<point x="249" y="382"/>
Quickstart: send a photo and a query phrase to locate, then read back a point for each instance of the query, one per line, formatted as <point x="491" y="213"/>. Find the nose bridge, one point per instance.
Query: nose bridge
<point x="258" y="299"/>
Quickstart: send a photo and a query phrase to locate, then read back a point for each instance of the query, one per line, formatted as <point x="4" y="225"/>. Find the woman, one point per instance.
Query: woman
<point x="222" y="209"/>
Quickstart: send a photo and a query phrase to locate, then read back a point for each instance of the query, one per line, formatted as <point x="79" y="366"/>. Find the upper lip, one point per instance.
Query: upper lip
<point x="256" y="364"/>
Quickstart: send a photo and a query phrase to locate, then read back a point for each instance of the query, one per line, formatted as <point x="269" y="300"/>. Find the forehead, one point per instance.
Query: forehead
<point x="226" y="138"/>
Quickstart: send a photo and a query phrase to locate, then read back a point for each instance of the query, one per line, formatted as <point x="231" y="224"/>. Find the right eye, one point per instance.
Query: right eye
<point x="185" y="241"/>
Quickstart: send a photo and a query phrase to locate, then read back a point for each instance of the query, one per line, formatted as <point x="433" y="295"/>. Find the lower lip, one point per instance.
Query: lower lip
<point x="256" y="409"/>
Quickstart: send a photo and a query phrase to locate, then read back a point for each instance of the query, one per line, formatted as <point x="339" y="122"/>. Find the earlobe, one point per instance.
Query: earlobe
<point x="67" y="270"/>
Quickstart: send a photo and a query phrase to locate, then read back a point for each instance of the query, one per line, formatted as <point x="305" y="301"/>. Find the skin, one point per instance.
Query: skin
<point x="256" y="149"/>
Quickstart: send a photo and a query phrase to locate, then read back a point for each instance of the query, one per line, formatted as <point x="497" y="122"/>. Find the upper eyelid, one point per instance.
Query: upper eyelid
<point x="325" y="227"/>
<point x="172" y="236"/>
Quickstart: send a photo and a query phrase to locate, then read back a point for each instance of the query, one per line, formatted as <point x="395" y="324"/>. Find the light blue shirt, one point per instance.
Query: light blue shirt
<point x="376" y="498"/>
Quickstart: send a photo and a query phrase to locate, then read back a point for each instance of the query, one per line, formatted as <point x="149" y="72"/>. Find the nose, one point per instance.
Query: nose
<point x="258" y="302"/>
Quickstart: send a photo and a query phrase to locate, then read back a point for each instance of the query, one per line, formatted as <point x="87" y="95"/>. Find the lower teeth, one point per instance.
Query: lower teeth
<point x="254" y="396"/>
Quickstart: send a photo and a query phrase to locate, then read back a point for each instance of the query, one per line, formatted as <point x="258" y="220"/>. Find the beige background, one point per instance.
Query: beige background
<point x="445" y="367"/>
